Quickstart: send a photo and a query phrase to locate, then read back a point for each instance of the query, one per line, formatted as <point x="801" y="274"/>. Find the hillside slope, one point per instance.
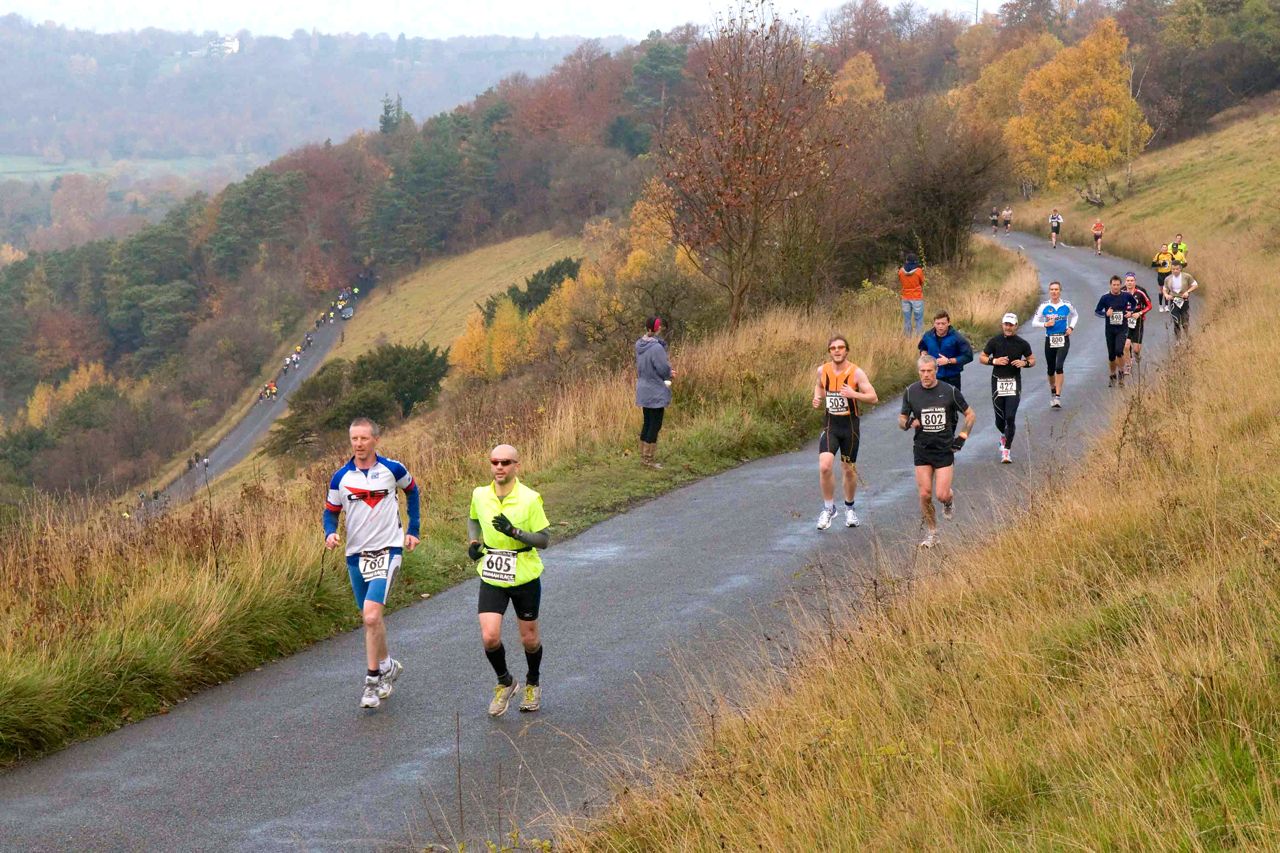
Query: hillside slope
<point x="1101" y="675"/>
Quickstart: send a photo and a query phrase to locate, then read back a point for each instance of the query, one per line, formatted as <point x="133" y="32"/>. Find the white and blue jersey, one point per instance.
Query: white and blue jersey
<point x="369" y="498"/>
<point x="1055" y="318"/>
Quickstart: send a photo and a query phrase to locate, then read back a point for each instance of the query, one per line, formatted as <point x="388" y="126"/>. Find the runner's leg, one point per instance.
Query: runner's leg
<point x="942" y="483"/>
<point x="375" y="634"/>
<point x="827" y="478"/>
<point x="850" y="481"/>
<point x="924" y="485"/>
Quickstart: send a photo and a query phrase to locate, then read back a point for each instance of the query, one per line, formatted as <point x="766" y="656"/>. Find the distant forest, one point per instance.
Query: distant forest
<point x="157" y="94"/>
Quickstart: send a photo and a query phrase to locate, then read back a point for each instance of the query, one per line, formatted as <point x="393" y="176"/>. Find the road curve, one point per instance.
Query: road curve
<point x="282" y="759"/>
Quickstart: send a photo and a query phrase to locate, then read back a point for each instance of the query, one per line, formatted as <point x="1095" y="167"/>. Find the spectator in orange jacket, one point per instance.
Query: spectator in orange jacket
<point x="911" y="278"/>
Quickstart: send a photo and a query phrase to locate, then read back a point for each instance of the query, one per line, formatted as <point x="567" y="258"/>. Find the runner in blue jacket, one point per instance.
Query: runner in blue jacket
<point x="950" y="348"/>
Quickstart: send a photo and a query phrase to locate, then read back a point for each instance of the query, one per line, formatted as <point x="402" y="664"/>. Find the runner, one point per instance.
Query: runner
<point x="1163" y="263"/>
<point x="1179" y="249"/>
<point x="1055" y="227"/>
<point x="841" y="386"/>
<point x="507" y="524"/>
<point x="1178" y="288"/>
<point x="995" y="221"/>
<point x="1007" y="353"/>
<point x="366" y="487"/>
<point x="1098" y="228"/>
<point x="933" y="408"/>
<point x="949" y="348"/>
<point x="1136" y="322"/>
<point x="1115" y="306"/>
<point x="1007" y="216"/>
<point x="1058" y="319"/>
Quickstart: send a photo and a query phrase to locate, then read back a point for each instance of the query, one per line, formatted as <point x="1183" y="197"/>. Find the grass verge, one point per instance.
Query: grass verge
<point x="1119" y="689"/>
<point x="117" y="621"/>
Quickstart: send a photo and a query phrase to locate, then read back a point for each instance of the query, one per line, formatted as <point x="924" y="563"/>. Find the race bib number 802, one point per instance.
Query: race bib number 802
<point x="933" y="419"/>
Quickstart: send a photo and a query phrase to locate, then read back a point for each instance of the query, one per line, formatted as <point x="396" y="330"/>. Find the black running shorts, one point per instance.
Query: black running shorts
<point x="524" y="599"/>
<point x="1055" y="358"/>
<point x="1116" y="336"/>
<point x="934" y="457"/>
<point x="841" y="438"/>
<point x="1135" y="334"/>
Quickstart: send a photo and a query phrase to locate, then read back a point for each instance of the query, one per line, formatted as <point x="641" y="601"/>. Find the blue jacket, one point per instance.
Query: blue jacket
<point x="652" y="369"/>
<point x="952" y="345"/>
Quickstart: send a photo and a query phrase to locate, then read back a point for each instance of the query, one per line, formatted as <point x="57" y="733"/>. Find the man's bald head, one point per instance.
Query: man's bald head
<point x="505" y="451"/>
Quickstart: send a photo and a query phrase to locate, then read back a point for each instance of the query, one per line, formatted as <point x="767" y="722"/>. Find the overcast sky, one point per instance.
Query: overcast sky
<point x="429" y="19"/>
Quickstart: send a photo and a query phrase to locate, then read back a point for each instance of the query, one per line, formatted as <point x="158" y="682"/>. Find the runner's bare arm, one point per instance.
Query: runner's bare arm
<point x="863" y="390"/>
<point x="970" y="418"/>
<point x="818" y="390"/>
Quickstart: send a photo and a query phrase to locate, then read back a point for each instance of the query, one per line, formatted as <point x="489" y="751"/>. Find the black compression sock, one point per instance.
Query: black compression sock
<point x="534" y="659"/>
<point x="848" y="504"/>
<point x="372" y="673"/>
<point x="498" y="660"/>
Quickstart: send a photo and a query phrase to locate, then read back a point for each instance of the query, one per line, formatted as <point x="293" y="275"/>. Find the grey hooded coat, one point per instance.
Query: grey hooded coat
<point x="652" y="371"/>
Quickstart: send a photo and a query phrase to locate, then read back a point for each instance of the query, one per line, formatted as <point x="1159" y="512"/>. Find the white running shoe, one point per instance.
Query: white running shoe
<point x="949" y="510"/>
<point x="532" y="698"/>
<point x="1004" y="455"/>
<point x="851" y="518"/>
<point x="824" y="518"/>
<point x="1056" y="402"/>
<point x="930" y="539"/>
<point x="369" y="699"/>
<point x="385" y="681"/>
<point x="502" y="698"/>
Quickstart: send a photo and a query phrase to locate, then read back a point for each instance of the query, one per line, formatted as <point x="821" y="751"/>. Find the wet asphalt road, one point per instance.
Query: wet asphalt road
<point x="282" y="759"/>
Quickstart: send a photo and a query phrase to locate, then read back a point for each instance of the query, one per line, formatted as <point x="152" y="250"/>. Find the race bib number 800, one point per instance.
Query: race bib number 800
<point x="1057" y="341"/>
<point x="499" y="566"/>
<point x="933" y="419"/>
<point x="374" y="564"/>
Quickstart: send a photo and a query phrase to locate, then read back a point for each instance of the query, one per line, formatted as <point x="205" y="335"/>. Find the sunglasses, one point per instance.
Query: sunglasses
<point x="833" y="349"/>
<point x="504" y="461"/>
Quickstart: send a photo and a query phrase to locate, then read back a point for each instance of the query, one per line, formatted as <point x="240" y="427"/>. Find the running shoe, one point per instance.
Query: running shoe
<point x="948" y="509"/>
<point x="851" y="518"/>
<point x="369" y="699"/>
<point x="1120" y="380"/>
<point x="387" y="679"/>
<point x="824" y="518"/>
<point x="1056" y="402"/>
<point x="502" y="698"/>
<point x="1004" y="456"/>
<point x="930" y="539"/>
<point x="532" y="698"/>
<point x="1111" y="383"/>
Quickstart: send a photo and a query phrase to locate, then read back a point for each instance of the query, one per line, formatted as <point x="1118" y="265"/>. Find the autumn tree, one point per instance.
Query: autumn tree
<point x="754" y="142"/>
<point x="1078" y="118"/>
<point x="858" y="82"/>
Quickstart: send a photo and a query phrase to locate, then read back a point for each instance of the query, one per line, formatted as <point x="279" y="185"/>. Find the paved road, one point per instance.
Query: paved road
<point x="245" y="435"/>
<point x="282" y="759"/>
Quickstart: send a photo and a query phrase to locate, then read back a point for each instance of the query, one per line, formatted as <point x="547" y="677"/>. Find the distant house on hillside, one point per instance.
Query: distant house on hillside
<point x="224" y="46"/>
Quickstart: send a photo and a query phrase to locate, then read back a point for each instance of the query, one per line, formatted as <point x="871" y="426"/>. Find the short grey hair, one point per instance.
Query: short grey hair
<point x="926" y="360"/>
<point x="370" y="423"/>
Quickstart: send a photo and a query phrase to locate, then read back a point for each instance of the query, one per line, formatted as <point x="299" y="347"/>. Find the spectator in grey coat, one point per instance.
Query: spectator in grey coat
<point x="653" y="387"/>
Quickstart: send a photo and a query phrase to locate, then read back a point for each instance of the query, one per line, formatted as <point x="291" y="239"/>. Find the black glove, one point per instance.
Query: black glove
<point x="475" y="551"/>
<point x="503" y="525"/>
<point x="957" y="442"/>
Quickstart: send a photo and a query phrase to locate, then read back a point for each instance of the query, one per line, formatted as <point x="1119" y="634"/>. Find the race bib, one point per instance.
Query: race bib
<point x="1006" y="386"/>
<point x="837" y="404"/>
<point x="1057" y="341"/>
<point x="374" y="564"/>
<point x="1133" y="322"/>
<point x="499" y="566"/>
<point x="933" y="419"/>
<point x="1178" y="302"/>
<point x="1116" y="318"/>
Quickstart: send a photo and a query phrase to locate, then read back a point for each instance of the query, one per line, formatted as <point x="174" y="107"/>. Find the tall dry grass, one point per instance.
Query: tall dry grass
<point x="105" y="619"/>
<point x="1102" y="674"/>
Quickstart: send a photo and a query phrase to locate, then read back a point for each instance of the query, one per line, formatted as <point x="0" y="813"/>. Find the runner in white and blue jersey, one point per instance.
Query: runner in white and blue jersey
<point x="1058" y="319"/>
<point x="366" y="489"/>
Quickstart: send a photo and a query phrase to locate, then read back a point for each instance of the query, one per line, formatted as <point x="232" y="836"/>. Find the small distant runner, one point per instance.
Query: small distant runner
<point x="841" y="386"/>
<point x="1007" y="353"/>
<point x="1179" y="249"/>
<point x="366" y="488"/>
<point x="995" y="221"/>
<point x="1098" y="228"/>
<point x="950" y="349"/>
<point x="1163" y="264"/>
<point x="1058" y="319"/>
<point x="933" y="410"/>
<point x="507" y="528"/>
<point x="1178" y="288"/>
<point x="1055" y="227"/>
<point x="1007" y="216"/>
<point x="1114" y="307"/>
<point x="1137" y="321"/>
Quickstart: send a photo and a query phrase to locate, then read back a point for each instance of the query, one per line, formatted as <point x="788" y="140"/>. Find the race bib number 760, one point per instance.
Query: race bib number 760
<point x="374" y="564"/>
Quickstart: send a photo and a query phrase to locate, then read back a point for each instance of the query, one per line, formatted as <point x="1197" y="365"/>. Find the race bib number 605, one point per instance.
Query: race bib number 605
<point x="933" y="419"/>
<point x="374" y="564"/>
<point x="499" y="566"/>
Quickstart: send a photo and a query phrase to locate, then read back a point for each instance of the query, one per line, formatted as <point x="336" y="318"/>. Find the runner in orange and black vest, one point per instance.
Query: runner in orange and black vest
<point x="840" y="388"/>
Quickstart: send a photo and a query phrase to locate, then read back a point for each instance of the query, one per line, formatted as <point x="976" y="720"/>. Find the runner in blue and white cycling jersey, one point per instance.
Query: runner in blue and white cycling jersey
<point x="366" y="488"/>
<point x="1058" y="319"/>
